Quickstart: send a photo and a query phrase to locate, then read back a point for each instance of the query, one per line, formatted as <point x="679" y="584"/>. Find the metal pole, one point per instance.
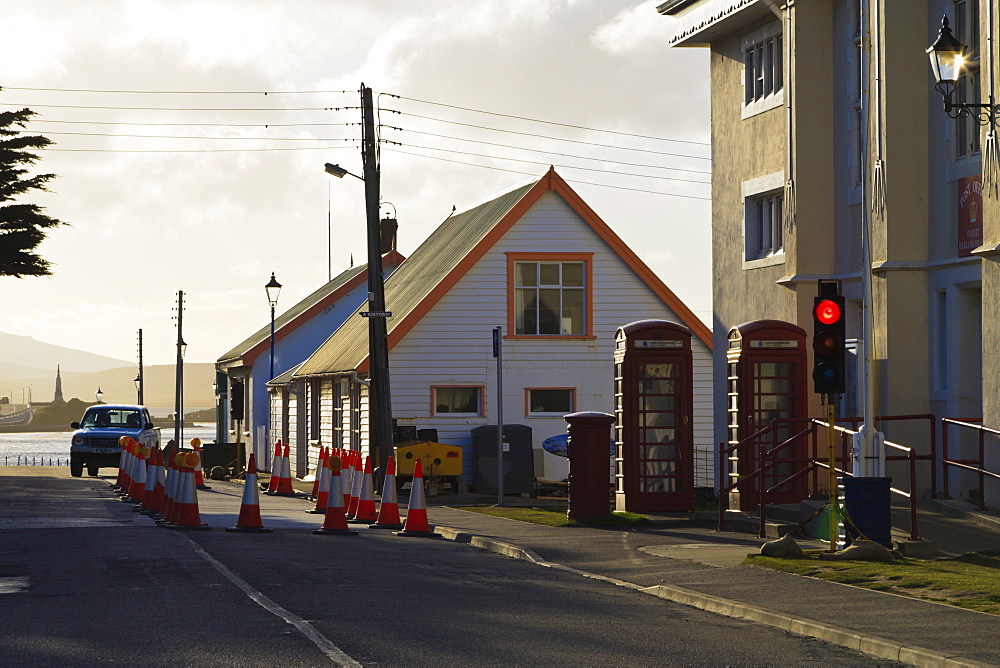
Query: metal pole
<point x="832" y="502"/>
<point x="498" y="353"/>
<point x="379" y="402"/>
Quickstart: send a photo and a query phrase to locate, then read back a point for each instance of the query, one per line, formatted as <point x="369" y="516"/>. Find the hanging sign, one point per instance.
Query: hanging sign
<point x="970" y="214"/>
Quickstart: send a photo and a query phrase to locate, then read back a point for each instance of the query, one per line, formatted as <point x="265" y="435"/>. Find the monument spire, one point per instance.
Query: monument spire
<point x="58" y="399"/>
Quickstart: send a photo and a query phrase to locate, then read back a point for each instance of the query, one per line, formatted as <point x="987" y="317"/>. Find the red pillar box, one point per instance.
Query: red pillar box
<point x="589" y="464"/>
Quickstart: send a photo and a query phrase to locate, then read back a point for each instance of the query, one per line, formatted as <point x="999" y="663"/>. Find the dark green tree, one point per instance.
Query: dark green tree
<point x="22" y="226"/>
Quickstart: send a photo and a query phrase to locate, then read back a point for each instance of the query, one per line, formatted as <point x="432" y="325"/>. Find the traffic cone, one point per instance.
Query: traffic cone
<point x="318" y="476"/>
<point x="152" y="476"/>
<point x="122" y="462"/>
<point x="156" y="507"/>
<point x="346" y="477"/>
<point x="416" y="516"/>
<point x="199" y="478"/>
<point x="335" y="522"/>
<point x="249" y="519"/>
<point x="388" y="509"/>
<point x="322" y="486"/>
<point x="356" y="476"/>
<point x="284" y="485"/>
<point x="365" y="511"/>
<point x="126" y="466"/>
<point x="137" y="488"/>
<point x="275" y="468"/>
<point x="186" y="515"/>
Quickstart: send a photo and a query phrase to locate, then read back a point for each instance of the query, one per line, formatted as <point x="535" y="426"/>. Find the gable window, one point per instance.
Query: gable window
<point x="458" y="400"/>
<point x="550" y="294"/>
<point x="550" y="400"/>
<point x="763" y="74"/>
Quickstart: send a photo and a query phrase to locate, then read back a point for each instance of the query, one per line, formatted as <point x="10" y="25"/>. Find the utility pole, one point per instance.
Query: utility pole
<point x="379" y="402"/>
<point x="179" y="371"/>
<point x="141" y="380"/>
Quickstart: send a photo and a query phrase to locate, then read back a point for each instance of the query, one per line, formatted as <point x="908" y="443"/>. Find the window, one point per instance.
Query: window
<point x="558" y="401"/>
<point x="550" y="294"/>
<point x="762" y="63"/>
<point x="458" y="400"/>
<point x="967" y="89"/>
<point x="764" y="235"/>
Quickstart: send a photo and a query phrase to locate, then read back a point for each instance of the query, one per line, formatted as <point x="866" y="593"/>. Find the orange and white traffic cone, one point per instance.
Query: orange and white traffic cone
<point x="335" y="522"/>
<point x="416" y="515"/>
<point x="186" y="515"/>
<point x="137" y="488"/>
<point x="249" y="519"/>
<point x="388" y="509"/>
<point x="122" y="462"/>
<point x="169" y="488"/>
<point x="318" y="476"/>
<point x="284" y="486"/>
<point x="125" y="473"/>
<point x="199" y="477"/>
<point x="346" y="476"/>
<point x="159" y="485"/>
<point x="356" y="477"/>
<point x="322" y="486"/>
<point x="275" y="468"/>
<point x="365" y="512"/>
<point x="152" y="476"/>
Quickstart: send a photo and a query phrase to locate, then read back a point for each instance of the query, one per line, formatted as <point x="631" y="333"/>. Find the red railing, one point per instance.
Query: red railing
<point x="768" y="459"/>
<point x="977" y="466"/>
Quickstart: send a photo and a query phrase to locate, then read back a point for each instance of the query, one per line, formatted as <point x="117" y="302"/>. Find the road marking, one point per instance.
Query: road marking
<point x="13" y="585"/>
<point x="337" y="655"/>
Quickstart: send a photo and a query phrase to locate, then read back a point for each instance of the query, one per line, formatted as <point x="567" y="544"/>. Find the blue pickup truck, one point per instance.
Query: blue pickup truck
<point x="96" y="441"/>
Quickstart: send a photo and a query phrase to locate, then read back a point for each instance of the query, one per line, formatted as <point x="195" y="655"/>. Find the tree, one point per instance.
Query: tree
<point x="22" y="226"/>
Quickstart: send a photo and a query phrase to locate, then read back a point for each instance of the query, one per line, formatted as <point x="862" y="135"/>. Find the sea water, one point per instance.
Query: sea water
<point x="51" y="448"/>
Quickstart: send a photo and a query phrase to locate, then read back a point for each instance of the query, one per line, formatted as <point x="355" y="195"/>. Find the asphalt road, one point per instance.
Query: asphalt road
<point x="85" y="581"/>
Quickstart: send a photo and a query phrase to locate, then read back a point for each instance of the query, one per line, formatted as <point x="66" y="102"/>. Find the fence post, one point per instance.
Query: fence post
<point x="945" y="487"/>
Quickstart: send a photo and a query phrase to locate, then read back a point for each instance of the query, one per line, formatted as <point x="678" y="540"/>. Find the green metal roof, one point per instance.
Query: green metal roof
<point x="415" y="278"/>
<point x="288" y="316"/>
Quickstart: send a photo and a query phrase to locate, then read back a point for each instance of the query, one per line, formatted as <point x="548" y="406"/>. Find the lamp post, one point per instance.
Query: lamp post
<point x="99" y="395"/>
<point x="947" y="56"/>
<point x="138" y="388"/>
<point x="379" y="402"/>
<point x="273" y="289"/>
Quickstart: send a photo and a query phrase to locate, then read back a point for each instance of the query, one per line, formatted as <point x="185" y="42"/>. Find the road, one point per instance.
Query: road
<point x="85" y="581"/>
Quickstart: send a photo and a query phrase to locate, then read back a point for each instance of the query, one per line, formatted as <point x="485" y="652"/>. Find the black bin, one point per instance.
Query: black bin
<point x="518" y="460"/>
<point x="217" y="454"/>
<point x="867" y="501"/>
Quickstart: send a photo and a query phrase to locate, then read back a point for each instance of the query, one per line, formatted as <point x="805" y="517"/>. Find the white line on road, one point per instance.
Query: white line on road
<point x="336" y="654"/>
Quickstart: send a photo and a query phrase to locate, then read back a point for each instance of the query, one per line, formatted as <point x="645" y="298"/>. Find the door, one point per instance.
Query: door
<point x="664" y="431"/>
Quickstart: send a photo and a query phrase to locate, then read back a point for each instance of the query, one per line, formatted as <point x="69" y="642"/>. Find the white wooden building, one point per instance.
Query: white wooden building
<point x="536" y="261"/>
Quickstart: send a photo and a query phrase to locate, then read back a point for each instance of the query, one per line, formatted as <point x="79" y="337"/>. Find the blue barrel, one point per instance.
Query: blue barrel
<point x="867" y="501"/>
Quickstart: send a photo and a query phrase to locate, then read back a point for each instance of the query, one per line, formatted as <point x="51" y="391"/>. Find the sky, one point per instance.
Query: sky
<point x="176" y="172"/>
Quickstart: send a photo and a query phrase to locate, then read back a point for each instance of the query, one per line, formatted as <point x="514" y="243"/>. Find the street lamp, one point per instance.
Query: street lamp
<point x="273" y="289"/>
<point x="947" y="56"/>
<point x="138" y="388"/>
<point x="99" y="395"/>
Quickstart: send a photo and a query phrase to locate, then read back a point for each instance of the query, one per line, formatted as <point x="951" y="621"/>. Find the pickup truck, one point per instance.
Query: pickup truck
<point x="96" y="439"/>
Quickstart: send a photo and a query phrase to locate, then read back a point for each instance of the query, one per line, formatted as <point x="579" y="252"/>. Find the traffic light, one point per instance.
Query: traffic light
<point x="828" y="345"/>
<point x="236" y="400"/>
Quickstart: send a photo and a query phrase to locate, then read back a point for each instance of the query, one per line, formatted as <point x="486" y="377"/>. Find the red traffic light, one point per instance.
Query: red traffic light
<point x="827" y="312"/>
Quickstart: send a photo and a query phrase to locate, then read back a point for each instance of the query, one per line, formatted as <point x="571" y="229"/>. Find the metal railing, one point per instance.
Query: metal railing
<point x="22" y="460"/>
<point x="811" y="465"/>
<point x="977" y="465"/>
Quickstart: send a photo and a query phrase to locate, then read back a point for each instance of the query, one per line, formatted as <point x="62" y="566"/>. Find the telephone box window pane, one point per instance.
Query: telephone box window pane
<point x="659" y="485"/>
<point x="665" y="435"/>
<point x="774" y="386"/>
<point x="663" y="451"/>
<point x="652" y="387"/>
<point x="655" y="405"/>
<point x="659" y="371"/>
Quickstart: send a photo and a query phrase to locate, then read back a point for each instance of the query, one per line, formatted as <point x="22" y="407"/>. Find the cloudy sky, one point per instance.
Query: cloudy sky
<point x="176" y="172"/>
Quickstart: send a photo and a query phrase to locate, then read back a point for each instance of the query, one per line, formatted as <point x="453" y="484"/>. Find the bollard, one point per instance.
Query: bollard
<point x="589" y="464"/>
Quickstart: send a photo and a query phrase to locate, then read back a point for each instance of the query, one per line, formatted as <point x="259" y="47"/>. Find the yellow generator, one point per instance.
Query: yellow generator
<point x="441" y="464"/>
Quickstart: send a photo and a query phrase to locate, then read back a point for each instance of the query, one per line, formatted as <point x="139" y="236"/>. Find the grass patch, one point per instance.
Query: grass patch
<point x="970" y="581"/>
<point x="555" y="516"/>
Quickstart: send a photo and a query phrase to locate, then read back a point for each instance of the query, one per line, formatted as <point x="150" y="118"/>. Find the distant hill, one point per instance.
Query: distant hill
<point x="23" y="357"/>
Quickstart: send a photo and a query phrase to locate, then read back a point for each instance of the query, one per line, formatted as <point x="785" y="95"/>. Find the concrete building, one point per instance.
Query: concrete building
<point x="825" y="120"/>
<point x="493" y="264"/>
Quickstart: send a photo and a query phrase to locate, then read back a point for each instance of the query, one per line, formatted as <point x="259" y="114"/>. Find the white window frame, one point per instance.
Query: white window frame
<point x="563" y="318"/>
<point x="763" y="70"/>
<point x="764" y="193"/>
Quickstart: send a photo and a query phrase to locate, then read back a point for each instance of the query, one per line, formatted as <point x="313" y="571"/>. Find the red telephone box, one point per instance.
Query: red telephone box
<point x="654" y="443"/>
<point x="767" y="372"/>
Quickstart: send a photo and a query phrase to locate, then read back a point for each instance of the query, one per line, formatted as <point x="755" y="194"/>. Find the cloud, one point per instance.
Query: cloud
<point x="631" y="29"/>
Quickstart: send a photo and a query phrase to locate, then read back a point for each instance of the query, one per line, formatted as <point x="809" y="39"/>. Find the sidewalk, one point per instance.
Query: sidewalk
<point x="697" y="566"/>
